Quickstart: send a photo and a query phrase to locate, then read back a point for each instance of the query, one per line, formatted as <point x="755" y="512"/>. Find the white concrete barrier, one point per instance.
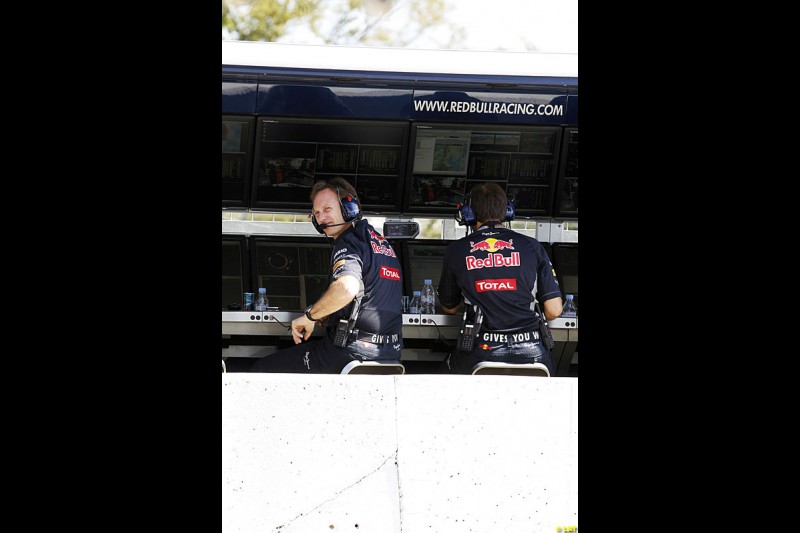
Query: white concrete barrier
<point x="410" y="454"/>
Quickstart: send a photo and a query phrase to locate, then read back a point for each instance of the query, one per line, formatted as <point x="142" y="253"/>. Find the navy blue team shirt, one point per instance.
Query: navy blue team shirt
<point x="365" y="254"/>
<point x="498" y="269"/>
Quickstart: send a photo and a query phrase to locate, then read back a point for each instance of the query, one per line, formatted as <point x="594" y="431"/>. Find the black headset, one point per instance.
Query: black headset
<point x="350" y="211"/>
<point x="465" y="216"/>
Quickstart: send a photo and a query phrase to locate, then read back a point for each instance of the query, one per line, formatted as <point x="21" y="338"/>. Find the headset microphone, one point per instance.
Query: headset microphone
<point x="323" y="226"/>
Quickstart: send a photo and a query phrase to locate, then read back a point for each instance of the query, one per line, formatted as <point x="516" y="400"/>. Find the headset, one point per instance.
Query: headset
<point x="350" y="211"/>
<point x="465" y="216"/>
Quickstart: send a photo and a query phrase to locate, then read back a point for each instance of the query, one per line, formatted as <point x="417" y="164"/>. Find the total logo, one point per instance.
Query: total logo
<point x="390" y="273"/>
<point x="483" y="285"/>
<point x="492" y="245"/>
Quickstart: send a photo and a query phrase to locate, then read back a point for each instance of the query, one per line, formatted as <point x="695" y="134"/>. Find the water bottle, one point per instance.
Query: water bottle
<point x="427" y="300"/>
<point x="570" y="310"/>
<point x="414" y="307"/>
<point x="261" y="300"/>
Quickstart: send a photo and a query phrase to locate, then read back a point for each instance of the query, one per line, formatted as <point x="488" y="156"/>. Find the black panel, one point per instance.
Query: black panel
<point x="294" y="270"/>
<point x="447" y="160"/>
<point x="565" y="261"/>
<point x="422" y="259"/>
<point x="566" y="202"/>
<point x="292" y="154"/>
<point x="237" y="157"/>
<point x="235" y="270"/>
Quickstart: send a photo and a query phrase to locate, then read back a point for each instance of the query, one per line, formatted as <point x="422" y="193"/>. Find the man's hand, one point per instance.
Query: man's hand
<point x="301" y="329"/>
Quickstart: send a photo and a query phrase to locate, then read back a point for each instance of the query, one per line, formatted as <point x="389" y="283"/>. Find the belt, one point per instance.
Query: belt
<point x="375" y="338"/>
<point x="509" y="337"/>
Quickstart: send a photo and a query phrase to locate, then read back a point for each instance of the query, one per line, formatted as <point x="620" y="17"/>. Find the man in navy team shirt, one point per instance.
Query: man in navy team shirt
<point x="363" y="265"/>
<point x="501" y="272"/>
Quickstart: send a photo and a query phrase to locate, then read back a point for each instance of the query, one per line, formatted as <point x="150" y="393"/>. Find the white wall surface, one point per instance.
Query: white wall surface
<point x="411" y="453"/>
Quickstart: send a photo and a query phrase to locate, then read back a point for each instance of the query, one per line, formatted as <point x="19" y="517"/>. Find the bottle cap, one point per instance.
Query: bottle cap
<point x="428" y="282"/>
<point x="417" y="293"/>
<point x="262" y="289"/>
<point x="569" y="297"/>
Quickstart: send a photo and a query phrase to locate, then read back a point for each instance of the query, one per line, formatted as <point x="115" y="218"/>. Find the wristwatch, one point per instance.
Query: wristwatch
<point x="308" y="313"/>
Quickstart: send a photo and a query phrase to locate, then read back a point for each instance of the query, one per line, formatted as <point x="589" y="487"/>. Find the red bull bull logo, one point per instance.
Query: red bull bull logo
<point x="377" y="236"/>
<point x="492" y="245"/>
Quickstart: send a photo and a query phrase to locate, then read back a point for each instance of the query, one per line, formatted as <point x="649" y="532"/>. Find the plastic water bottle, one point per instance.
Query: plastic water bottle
<point x="570" y="310"/>
<point x="415" y="302"/>
<point x="427" y="301"/>
<point x="261" y="300"/>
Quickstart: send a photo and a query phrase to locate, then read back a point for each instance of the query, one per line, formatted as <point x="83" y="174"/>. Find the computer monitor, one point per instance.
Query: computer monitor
<point x="423" y="260"/>
<point x="237" y="156"/>
<point x="566" y="201"/>
<point x="235" y="271"/>
<point x="447" y="160"/>
<point x="565" y="261"/>
<point x="293" y="154"/>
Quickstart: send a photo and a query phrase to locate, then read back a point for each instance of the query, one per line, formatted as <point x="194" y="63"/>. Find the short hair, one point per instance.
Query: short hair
<point x="488" y="201"/>
<point x="343" y="186"/>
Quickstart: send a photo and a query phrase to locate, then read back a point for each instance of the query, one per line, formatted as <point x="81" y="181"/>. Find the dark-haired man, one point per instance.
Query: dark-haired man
<point x="501" y="272"/>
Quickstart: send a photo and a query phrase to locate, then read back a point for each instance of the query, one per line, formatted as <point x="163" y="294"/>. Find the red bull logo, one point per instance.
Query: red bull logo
<point x="383" y="246"/>
<point x="492" y="245"/>
<point x="493" y="260"/>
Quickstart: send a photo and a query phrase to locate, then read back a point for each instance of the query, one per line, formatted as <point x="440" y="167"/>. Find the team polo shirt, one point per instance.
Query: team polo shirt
<point x="363" y="253"/>
<point x="500" y="270"/>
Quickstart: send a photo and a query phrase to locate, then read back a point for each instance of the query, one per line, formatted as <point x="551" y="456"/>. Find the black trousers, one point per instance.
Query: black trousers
<point x="459" y="362"/>
<point x="318" y="356"/>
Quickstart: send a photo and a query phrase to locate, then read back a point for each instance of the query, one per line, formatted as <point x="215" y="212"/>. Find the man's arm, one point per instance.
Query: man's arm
<point x="452" y="310"/>
<point x="340" y="293"/>
<point x="552" y="308"/>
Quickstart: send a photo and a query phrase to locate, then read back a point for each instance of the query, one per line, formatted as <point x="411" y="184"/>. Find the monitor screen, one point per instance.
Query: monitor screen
<point x="293" y="270"/>
<point x="566" y="202"/>
<point x="292" y="154"/>
<point x="423" y="260"/>
<point x="237" y="150"/>
<point x="235" y="270"/>
<point x="565" y="261"/>
<point x="449" y="159"/>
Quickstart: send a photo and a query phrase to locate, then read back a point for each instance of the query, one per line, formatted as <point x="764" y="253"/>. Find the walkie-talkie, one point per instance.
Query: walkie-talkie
<point x="545" y="335"/>
<point x="469" y="330"/>
<point x="345" y="326"/>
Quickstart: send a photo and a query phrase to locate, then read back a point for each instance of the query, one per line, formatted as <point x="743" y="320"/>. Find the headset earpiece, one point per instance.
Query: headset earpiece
<point x="509" y="211"/>
<point x="350" y="208"/>
<point x="465" y="216"/>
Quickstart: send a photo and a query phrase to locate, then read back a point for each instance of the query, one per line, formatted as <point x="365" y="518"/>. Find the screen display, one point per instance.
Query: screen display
<point x="567" y="190"/>
<point x="423" y="260"/>
<point x="292" y="154"/>
<point x="294" y="271"/>
<point x="448" y="160"/>
<point x="565" y="261"/>
<point x="235" y="280"/>
<point x="237" y="149"/>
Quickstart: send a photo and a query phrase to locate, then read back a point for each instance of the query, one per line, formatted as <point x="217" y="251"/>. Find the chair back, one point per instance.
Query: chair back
<point x="510" y="369"/>
<point x="374" y="367"/>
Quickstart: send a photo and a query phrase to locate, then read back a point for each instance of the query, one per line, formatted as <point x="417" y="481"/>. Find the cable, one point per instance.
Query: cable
<point x="442" y="338"/>
<point x="289" y="327"/>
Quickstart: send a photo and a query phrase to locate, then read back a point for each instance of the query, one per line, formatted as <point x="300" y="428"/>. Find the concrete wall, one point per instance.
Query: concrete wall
<point x="412" y="453"/>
